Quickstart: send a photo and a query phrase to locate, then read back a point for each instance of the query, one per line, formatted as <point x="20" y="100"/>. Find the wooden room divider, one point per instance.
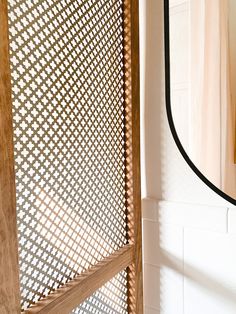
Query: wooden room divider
<point x="70" y="212"/>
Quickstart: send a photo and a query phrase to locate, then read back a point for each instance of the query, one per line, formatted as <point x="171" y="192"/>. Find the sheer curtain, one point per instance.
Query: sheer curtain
<point x="212" y="109"/>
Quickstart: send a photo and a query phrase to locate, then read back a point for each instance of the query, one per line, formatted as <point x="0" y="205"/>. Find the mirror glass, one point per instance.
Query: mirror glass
<point x="202" y="39"/>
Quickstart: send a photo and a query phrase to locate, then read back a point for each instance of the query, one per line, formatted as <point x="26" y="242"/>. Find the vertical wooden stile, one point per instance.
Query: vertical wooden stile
<point x="132" y="132"/>
<point x="136" y="156"/>
<point x="9" y="282"/>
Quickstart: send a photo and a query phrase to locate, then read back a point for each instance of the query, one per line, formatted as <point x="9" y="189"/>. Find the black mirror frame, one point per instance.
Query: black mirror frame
<point x="169" y="112"/>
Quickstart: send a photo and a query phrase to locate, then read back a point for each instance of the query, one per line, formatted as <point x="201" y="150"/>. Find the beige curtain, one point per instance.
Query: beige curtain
<point x="212" y="134"/>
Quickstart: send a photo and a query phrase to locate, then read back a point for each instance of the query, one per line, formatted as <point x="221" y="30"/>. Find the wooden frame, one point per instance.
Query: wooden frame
<point x="9" y="286"/>
<point x="67" y="297"/>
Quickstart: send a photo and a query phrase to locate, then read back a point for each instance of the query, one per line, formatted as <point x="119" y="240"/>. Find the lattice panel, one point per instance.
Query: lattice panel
<point x="110" y="299"/>
<point x="67" y="69"/>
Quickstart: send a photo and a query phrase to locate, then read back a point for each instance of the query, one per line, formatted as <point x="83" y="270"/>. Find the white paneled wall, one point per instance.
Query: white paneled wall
<point x="189" y="258"/>
<point x="189" y="231"/>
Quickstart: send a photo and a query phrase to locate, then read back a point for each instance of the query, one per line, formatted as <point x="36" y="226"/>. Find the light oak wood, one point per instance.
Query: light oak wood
<point x="65" y="299"/>
<point x="132" y="129"/>
<point x="9" y="281"/>
<point x="138" y="282"/>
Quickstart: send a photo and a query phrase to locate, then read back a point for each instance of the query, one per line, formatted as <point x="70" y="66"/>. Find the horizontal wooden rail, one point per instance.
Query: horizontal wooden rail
<point x="66" y="298"/>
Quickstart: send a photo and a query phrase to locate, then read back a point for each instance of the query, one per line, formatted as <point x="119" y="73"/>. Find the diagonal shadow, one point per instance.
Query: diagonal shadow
<point x="200" y="277"/>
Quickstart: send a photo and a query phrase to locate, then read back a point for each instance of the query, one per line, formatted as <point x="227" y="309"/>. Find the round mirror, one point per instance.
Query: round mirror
<point x="200" y="50"/>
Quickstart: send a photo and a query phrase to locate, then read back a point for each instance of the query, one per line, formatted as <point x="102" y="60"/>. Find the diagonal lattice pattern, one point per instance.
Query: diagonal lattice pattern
<point x="68" y="114"/>
<point x="109" y="299"/>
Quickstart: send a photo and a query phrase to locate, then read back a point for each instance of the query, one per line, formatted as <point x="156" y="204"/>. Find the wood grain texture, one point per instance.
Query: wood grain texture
<point x="138" y="276"/>
<point x="9" y="287"/>
<point x="132" y="139"/>
<point x="65" y="299"/>
<point x="75" y="292"/>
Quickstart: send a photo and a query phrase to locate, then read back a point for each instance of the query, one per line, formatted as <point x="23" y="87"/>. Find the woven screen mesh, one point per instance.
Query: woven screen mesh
<point x="67" y="69"/>
<point x="110" y="299"/>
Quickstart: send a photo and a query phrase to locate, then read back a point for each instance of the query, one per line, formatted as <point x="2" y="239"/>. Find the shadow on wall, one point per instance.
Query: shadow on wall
<point x="166" y="176"/>
<point x="152" y="96"/>
<point x="152" y="111"/>
<point x="198" y="276"/>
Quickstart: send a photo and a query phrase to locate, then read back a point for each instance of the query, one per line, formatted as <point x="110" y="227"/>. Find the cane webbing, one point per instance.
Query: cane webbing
<point x="67" y="69"/>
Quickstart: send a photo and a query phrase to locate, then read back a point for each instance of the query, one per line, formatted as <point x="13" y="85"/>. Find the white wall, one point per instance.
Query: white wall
<point x="179" y="66"/>
<point x="189" y="231"/>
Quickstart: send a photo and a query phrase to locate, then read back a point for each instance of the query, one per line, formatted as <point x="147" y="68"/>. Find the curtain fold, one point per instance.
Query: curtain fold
<point x="212" y="108"/>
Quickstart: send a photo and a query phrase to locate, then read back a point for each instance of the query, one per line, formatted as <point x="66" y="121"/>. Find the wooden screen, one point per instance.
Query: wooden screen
<point x="71" y="225"/>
